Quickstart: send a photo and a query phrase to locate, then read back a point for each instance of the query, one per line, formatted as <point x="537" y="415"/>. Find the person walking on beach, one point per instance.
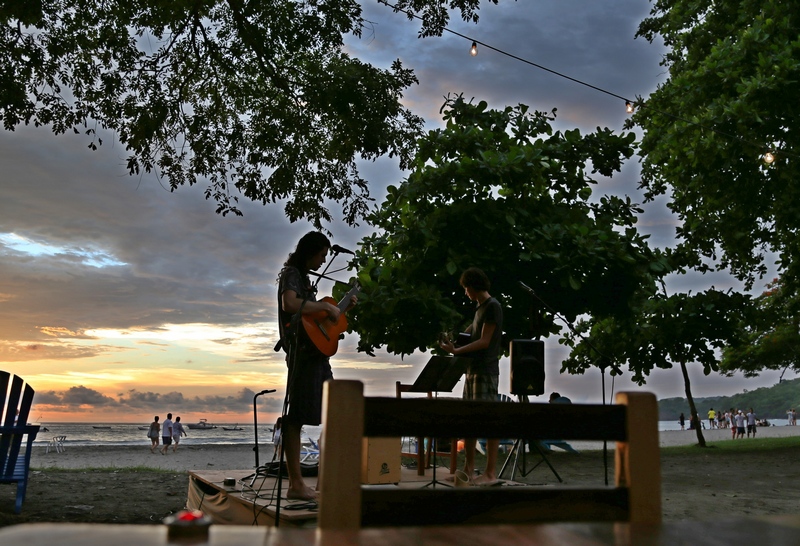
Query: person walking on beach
<point x="308" y="367"/>
<point x="166" y="434"/>
<point x="712" y="419"/>
<point x="732" y="423"/>
<point x="177" y="430"/>
<point x="483" y="350"/>
<point x="682" y="421"/>
<point x="751" y="423"/>
<point x="740" y="421"/>
<point x="153" y="433"/>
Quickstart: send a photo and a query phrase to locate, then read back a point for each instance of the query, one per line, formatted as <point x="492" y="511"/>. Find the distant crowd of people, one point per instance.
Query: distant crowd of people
<point x="737" y="420"/>
<point x="169" y="433"/>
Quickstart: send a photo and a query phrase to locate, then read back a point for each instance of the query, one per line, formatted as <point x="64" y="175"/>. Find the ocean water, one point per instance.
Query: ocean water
<point x="88" y="434"/>
<point x="121" y="434"/>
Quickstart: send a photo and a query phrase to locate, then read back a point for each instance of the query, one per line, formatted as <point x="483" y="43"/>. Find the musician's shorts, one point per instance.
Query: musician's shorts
<point x="480" y="387"/>
<point x="305" y="387"/>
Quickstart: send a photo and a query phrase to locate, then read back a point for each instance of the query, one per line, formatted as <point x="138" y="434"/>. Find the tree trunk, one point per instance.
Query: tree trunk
<point x="698" y="426"/>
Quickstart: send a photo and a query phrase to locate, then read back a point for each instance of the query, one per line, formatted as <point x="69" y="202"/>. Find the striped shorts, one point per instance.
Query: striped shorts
<point x="480" y="387"/>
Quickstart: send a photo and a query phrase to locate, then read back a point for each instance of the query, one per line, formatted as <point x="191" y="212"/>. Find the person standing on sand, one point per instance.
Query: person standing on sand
<point x="682" y="421"/>
<point x="740" y="420"/>
<point x="153" y="433"/>
<point x="732" y="423"/>
<point x="308" y="368"/>
<point x="166" y="434"/>
<point x="712" y="418"/>
<point x="177" y="430"/>
<point x="751" y="423"/>
<point x="276" y="436"/>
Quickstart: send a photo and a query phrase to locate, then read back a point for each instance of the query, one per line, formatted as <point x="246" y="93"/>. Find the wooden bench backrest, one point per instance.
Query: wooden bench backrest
<point x="14" y="395"/>
<point x="348" y="417"/>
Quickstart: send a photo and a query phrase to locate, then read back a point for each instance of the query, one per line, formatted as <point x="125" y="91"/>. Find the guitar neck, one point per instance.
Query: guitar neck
<point x="345" y="301"/>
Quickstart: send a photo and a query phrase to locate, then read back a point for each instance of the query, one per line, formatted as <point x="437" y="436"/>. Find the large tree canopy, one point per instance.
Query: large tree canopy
<point x="662" y="330"/>
<point x="683" y="328"/>
<point x="734" y="79"/>
<point x="251" y="97"/>
<point x="502" y="191"/>
<point x="772" y="337"/>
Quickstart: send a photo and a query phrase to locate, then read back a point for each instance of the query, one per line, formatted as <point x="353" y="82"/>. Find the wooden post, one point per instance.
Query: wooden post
<point x="340" y="457"/>
<point x="638" y="461"/>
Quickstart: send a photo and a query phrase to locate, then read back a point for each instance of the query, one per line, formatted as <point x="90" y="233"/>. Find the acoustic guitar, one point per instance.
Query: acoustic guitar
<point x="322" y="330"/>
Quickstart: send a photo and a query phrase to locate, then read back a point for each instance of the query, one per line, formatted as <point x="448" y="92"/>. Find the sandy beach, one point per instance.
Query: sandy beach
<point x="113" y="484"/>
<point x="189" y="457"/>
<point x="241" y="457"/>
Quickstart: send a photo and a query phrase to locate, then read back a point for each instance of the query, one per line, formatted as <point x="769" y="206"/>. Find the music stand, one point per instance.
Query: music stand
<point x="440" y="374"/>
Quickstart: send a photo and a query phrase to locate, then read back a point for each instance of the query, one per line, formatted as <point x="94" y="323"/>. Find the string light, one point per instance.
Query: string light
<point x="768" y="157"/>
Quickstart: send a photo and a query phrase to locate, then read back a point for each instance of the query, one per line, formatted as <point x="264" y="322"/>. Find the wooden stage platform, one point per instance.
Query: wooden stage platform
<point x="253" y="501"/>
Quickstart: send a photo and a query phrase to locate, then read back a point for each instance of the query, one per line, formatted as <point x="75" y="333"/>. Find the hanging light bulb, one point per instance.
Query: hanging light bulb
<point x="629" y="108"/>
<point x="474" y="49"/>
<point x="769" y="157"/>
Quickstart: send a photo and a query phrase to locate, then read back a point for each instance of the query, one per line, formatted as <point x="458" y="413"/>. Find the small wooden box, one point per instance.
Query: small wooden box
<point x="380" y="460"/>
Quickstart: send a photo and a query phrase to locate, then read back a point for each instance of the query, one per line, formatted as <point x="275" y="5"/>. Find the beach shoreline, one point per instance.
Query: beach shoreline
<point x="241" y="457"/>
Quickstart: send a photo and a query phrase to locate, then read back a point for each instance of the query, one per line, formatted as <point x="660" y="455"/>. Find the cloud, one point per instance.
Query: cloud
<point x="82" y="396"/>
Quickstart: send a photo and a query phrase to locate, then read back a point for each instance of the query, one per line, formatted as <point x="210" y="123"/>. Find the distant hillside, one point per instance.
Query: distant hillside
<point x="770" y="402"/>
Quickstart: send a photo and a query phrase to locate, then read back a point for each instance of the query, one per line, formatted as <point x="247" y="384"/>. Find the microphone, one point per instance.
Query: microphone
<point x="341" y="250"/>
<point x="527" y="288"/>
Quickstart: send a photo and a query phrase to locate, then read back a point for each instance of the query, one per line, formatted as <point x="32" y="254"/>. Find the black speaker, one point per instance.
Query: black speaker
<point x="527" y="366"/>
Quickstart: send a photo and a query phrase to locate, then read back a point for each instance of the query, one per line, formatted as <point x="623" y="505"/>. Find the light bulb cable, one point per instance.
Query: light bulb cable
<point x="630" y="104"/>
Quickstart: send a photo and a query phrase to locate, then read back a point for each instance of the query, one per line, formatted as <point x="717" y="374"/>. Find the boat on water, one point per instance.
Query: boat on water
<point x="234" y="427"/>
<point x="202" y="425"/>
<point x="104" y="427"/>
<point x="143" y="428"/>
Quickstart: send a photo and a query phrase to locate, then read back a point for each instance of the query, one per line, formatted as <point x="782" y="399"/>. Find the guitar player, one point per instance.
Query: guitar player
<point x="308" y="367"/>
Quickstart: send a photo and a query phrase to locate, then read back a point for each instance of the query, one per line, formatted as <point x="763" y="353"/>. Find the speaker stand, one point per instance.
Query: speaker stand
<point x="519" y="446"/>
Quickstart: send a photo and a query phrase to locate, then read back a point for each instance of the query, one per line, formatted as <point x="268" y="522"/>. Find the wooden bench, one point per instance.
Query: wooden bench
<point x="348" y="417"/>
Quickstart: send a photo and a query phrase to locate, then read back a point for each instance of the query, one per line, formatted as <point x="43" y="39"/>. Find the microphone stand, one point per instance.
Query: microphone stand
<point x="255" y="420"/>
<point x="603" y="359"/>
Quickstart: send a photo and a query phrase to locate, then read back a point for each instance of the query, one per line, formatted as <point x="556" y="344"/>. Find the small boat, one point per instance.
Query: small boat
<point x="143" y="428"/>
<point x="103" y="427"/>
<point x="234" y="427"/>
<point x="202" y="425"/>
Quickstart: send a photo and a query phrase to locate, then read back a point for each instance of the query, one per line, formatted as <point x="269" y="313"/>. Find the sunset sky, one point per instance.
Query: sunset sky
<point x="120" y="300"/>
